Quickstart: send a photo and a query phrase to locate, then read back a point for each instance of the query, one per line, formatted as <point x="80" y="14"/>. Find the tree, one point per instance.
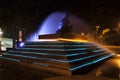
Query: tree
<point x="111" y="37"/>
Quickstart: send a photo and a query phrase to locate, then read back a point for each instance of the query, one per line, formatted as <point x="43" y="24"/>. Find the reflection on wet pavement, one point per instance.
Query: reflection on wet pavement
<point x="109" y="69"/>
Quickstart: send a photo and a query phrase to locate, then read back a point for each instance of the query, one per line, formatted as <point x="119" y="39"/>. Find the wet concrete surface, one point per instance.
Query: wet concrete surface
<point x="109" y="69"/>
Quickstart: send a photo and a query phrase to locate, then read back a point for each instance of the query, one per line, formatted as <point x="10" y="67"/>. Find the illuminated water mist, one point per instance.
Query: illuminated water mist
<point x="53" y="23"/>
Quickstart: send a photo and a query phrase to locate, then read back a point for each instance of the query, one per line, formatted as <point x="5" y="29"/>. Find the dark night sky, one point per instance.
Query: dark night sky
<point x="30" y="13"/>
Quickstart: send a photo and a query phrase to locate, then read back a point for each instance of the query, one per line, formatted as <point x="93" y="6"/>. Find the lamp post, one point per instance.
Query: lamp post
<point x="97" y="31"/>
<point x="0" y="40"/>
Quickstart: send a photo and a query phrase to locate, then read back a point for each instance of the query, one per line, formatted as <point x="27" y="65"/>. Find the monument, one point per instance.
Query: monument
<point x="61" y="54"/>
<point x="64" y="32"/>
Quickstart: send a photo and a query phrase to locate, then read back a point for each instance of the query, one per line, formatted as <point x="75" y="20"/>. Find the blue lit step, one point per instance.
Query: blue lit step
<point x="29" y="59"/>
<point x="42" y="56"/>
<point x="73" y="68"/>
<point x="15" y="57"/>
<point x="45" y="51"/>
<point x="84" y="58"/>
<point x="61" y="57"/>
<point x="49" y="51"/>
<point x="52" y="49"/>
<point x="101" y="50"/>
<point x="57" y="60"/>
<point x="94" y="48"/>
<point x="56" y="66"/>
<point x="54" y="45"/>
<point x="90" y="63"/>
<point x="97" y="50"/>
<point x="11" y="59"/>
<point x="70" y="58"/>
<point x="58" y="46"/>
<point x="87" y="59"/>
<point x="48" y="54"/>
<point x="56" y="42"/>
<point x="36" y="63"/>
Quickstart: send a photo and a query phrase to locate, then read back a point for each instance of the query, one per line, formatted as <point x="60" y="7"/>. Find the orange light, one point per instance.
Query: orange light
<point x="118" y="55"/>
<point x="63" y="39"/>
<point x="47" y="40"/>
<point x="117" y="62"/>
<point x="72" y="40"/>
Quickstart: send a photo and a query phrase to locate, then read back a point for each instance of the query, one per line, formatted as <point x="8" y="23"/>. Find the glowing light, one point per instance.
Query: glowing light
<point x="89" y="63"/>
<point x="48" y="54"/>
<point x="118" y="55"/>
<point x="22" y="44"/>
<point x="57" y="60"/>
<point x="47" y="40"/>
<point x="72" y="40"/>
<point x="16" y="60"/>
<point x="53" y="23"/>
<point x="52" y="49"/>
<point x="50" y="25"/>
<point x="98" y="50"/>
<point x="82" y="34"/>
<point x="1" y="35"/>
<point x="116" y="62"/>
<point x="53" y="45"/>
<point x="63" y="39"/>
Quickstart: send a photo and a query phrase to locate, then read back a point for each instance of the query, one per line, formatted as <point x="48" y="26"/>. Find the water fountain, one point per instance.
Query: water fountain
<point x="57" y="51"/>
<point x="53" y="23"/>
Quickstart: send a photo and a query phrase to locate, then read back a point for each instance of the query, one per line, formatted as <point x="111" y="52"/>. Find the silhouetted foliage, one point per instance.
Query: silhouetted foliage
<point x="112" y="38"/>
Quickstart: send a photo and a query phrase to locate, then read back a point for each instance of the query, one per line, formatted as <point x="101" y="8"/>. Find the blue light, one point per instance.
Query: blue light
<point x="74" y="54"/>
<point x="49" y="26"/>
<point x="22" y="44"/>
<point x="53" y="23"/>
<point x="89" y="63"/>
<point x="49" y="54"/>
<point x="16" y="60"/>
<point x="98" y="50"/>
<point x="52" y="49"/>
<point x="52" y="45"/>
<point x="85" y="57"/>
<point x="65" y="61"/>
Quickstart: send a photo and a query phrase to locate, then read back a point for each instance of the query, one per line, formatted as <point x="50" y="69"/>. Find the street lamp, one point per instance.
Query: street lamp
<point x="97" y="30"/>
<point x="0" y="40"/>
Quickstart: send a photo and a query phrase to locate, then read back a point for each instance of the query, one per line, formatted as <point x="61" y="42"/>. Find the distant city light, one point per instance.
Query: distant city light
<point x="82" y="34"/>
<point x="118" y="55"/>
<point x="1" y="32"/>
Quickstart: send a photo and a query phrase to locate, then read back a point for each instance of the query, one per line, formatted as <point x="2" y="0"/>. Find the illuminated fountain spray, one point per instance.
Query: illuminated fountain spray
<point x="78" y="54"/>
<point x="53" y="23"/>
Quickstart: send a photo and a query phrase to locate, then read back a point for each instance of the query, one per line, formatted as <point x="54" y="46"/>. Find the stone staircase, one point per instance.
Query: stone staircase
<point x="61" y="57"/>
